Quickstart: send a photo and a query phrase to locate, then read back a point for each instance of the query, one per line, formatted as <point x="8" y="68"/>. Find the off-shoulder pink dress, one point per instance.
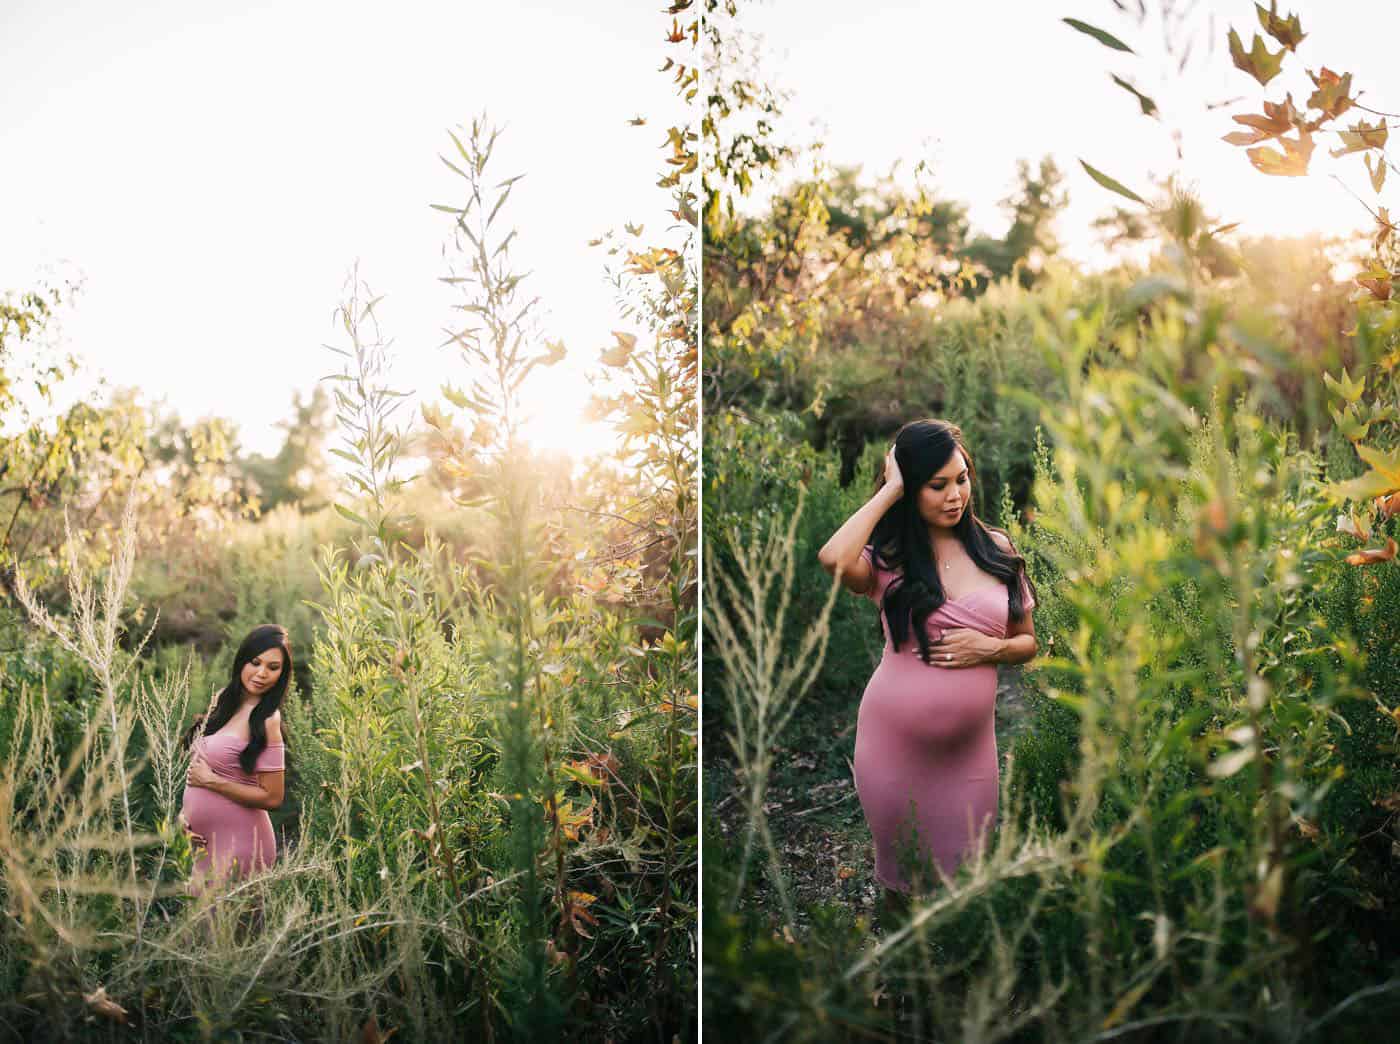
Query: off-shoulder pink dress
<point x="926" y="748"/>
<point x="238" y="839"/>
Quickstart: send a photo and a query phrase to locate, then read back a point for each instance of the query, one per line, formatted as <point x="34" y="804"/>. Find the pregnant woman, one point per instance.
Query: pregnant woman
<point x="237" y="769"/>
<point x="954" y="602"/>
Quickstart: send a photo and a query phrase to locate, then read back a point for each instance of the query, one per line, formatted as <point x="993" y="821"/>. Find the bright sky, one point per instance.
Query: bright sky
<point x="212" y="171"/>
<point x="974" y="87"/>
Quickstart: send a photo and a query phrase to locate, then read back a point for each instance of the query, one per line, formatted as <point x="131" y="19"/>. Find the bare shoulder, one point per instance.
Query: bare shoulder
<point x="860" y="577"/>
<point x="1002" y="540"/>
<point x="274" y="727"/>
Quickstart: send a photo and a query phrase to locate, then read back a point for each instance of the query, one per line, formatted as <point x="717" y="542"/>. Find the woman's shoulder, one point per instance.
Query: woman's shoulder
<point x="274" y="727"/>
<point x="1001" y="539"/>
<point x="881" y="560"/>
<point x="883" y="572"/>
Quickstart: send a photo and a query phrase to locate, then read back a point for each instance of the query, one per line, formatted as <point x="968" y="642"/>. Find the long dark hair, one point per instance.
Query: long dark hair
<point x="901" y="538"/>
<point x="259" y="640"/>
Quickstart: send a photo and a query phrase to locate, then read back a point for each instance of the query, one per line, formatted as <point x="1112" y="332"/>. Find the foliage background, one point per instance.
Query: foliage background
<point x="490" y="826"/>
<point x="1193" y="447"/>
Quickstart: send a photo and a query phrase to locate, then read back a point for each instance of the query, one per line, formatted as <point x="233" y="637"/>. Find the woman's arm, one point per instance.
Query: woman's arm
<point x="1014" y="648"/>
<point x="267" y="793"/>
<point x="964" y="647"/>
<point x="840" y="555"/>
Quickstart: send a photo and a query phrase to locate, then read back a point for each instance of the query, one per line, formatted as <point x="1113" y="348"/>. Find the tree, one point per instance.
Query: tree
<point x="300" y="472"/>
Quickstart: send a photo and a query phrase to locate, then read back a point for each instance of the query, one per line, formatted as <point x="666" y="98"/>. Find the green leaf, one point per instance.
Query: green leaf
<point x="453" y="167"/>
<point x="346" y="513"/>
<point x="1349" y="424"/>
<point x="1258" y="62"/>
<point x="1333" y="94"/>
<point x="587" y="779"/>
<point x="1107" y="39"/>
<point x="1348" y="389"/>
<point x="1387" y="464"/>
<point x="1287" y="31"/>
<point x="1112" y="185"/>
<point x="1148" y="106"/>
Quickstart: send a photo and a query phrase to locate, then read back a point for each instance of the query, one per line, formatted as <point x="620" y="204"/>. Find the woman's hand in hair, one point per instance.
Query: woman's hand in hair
<point x="894" y="478"/>
<point x="841" y="555"/>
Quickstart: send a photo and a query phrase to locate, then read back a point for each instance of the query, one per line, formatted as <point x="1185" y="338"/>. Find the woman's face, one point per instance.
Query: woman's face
<point x="261" y="672"/>
<point x="945" y="496"/>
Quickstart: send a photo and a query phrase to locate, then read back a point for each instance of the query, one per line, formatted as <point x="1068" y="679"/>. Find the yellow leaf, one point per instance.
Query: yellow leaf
<point x="1126" y="1003"/>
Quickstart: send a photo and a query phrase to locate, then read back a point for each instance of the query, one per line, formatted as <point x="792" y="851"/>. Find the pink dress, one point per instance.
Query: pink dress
<point x="926" y="747"/>
<point x="238" y="839"/>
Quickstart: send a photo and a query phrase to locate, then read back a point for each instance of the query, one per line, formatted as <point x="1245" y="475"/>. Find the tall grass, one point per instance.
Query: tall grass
<point x="1183" y="824"/>
<point x="98" y="927"/>
<point x="490" y="768"/>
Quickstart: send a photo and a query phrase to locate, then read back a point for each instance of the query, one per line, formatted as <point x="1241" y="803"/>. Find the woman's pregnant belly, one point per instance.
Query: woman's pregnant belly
<point x="928" y="706"/>
<point x="230" y="831"/>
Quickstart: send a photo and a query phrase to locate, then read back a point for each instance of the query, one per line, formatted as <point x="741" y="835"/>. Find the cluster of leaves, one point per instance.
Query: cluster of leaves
<point x="1366" y="407"/>
<point x="1358" y="412"/>
<point x="188" y="479"/>
<point x="835" y="262"/>
<point x="832" y="259"/>
<point x="1331" y="98"/>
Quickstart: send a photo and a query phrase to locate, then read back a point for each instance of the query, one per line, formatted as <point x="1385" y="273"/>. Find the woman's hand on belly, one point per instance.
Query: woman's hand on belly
<point x="258" y="796"/>
<point x="200" y="774"/>
<point x="196" y="838"/>
<point x="963" y="647"/>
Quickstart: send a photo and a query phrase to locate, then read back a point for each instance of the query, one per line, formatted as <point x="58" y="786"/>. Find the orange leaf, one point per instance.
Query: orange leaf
<point x="619" y="353"/>
<point x="1389" y="506"/>
<point x="1333" y="94"/>
<point x="1373" y="555"/>
<point x="604" y="764"/>
<point x="370" y="1033"/>
<point x="100" y="1004"/>
<point x="1279" y="118"/>
<point x="1378" y="288"/>
<point x="1291" y="163"/>
<point x="576" y="908"/>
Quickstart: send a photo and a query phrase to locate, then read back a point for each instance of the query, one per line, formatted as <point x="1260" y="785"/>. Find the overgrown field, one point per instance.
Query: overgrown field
<point x="1197" y="453"/>
<point x="1199" y="825"/>
<point x="490" y="829"/>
